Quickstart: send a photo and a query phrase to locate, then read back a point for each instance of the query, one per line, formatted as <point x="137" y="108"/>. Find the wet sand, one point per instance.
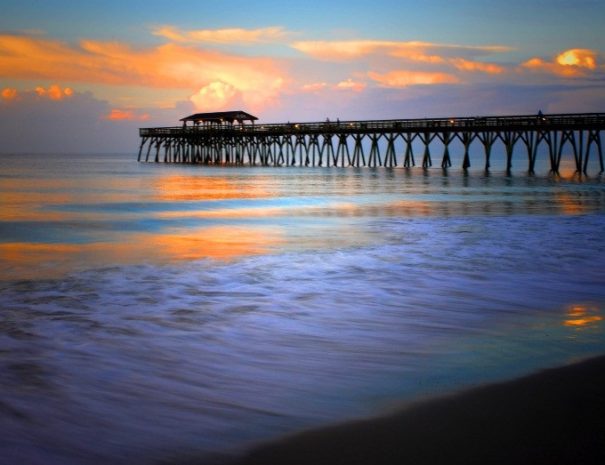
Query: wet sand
<point x="553" y="417"/>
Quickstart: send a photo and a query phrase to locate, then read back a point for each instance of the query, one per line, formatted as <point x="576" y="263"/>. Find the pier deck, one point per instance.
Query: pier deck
<point x="375" y="142"/>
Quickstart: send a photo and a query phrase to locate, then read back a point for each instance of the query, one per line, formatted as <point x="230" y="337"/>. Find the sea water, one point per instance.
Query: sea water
<point x="152" y="313"/>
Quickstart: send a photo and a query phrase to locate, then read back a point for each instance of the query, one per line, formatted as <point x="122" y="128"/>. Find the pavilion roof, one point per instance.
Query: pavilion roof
<point x="221" y="116"/>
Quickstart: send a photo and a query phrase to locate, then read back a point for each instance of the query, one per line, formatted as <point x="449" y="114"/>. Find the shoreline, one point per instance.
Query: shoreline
<point x="554" y="416"/>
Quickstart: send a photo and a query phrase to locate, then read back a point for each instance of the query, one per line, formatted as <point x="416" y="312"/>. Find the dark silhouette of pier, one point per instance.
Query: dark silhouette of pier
<point x="234" y="138"/>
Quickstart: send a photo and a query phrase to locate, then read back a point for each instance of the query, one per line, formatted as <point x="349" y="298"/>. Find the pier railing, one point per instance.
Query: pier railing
<point x="581" y="120"/>
<point x="331" y="142"/>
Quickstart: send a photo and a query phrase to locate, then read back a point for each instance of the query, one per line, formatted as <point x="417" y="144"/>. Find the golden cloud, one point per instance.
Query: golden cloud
<point x="171" y="66"/>
<point x="404" y="78"/>
<point x="580" y="57"/>
<point x="575" y="62"/>
<point x="223" y="36"/>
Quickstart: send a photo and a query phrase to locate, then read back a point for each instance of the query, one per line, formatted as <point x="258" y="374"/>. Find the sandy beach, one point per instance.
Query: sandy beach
<point x="555" y="416"/>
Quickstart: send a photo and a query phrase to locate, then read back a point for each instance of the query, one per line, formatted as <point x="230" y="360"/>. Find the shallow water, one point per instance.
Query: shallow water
<point x="154" y="312"/>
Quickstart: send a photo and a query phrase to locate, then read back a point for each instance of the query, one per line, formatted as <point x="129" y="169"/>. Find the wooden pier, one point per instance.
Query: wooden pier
<point x="234" y="138"/>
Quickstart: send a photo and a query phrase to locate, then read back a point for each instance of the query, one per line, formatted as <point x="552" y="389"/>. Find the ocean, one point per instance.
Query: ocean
<point x="152" y="313"/>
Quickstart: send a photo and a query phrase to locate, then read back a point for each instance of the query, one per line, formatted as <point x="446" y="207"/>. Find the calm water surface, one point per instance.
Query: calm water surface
<point x="152" y="312"/>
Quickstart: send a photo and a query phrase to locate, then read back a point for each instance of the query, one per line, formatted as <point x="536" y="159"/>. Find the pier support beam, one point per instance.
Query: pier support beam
<point x="374" y="157"/>
<point x="427" y="138"/>
<point x="342" y="149"/>
<point x="311" y="144"/>
<point x="409" y="151"/>
<point x="446" y="138"/>
<point x="359" y="158"/>
<point x="594" y="136"/>
<point x="509" y="138"/>
<point x="487" y="138"/>
<point x="390" y="158"/>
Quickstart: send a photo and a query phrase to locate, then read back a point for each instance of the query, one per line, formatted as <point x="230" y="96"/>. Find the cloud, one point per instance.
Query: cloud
<point x="423" y="62"/>
<point x="54" y="92"/>
<point x="469" y="65"/>
<point x="404" y="78"/>
<point x="217" y="95"/>
<point x="575" y="62"/>
<point x="579" y="57"/>
<point x="411" y="50"/>
<point x="79" y="123"/>
<point x="169" y="66"/>
<point x="349" y="84"/>
<point x="314" y="87"/>
<point x="223" y="36"/>
<point x="8" y="93"/>
<point x="117" y="114"/>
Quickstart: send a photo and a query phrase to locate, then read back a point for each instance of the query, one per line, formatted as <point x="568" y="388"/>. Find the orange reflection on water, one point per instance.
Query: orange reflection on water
<point x="327" y="209"/>
<point x="38" y="199"/>
<point x="570" y="204"/>
<point x="24" y="260"/>
<point x="582" y="316"/>
<point x="228" y="213"/>
<point x="16" y="206"/>
<point x="218" y="242"/>
<point x="567" y="166"/>
<point x="178" y="187"/>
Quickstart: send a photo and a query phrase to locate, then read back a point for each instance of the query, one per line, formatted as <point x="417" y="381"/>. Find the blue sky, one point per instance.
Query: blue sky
<point x="146" y="63"/>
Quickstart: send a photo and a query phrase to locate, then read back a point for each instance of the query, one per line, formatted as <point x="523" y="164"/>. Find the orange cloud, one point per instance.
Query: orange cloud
<point x="582" y="58"/>
<point x="570" y="63"/>
<point x="9" y="93"/>
<point x="167" y="66"/>
<point x="349" y="84"/>
<point x="223" y="36"/>
<point x="416" y="55"/>
<point x="404" y="78"/>
<point x="217" y="95"/>
<point x="54" y="92"/>
<point x="339" y="50"/>
<point x="129" y="115"/>
<point x="314" y="87"/>
<point x="469" y="65"/>
<point x="411" y="50"/>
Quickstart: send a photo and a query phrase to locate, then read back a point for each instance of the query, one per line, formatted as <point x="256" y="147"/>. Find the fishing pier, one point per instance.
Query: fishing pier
<point x="235" y="138"/>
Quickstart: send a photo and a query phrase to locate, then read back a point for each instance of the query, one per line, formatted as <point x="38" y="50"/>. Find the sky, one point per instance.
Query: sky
<point x="84" y="76"/>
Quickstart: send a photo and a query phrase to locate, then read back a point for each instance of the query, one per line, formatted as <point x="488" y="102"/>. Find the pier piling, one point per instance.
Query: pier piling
<point x="233" y="138"/>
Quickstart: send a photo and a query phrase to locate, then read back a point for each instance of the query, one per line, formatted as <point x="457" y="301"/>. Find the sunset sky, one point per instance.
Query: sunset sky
<point x="83" y="76"/>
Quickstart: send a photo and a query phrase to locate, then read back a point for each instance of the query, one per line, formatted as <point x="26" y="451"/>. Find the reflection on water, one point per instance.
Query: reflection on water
<point x="88" y="213"/>
<point x="152" y="311"/>
<point x="187" y="188"/>
<point x="583" y="316"/>
<point x="25" y="260"/>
